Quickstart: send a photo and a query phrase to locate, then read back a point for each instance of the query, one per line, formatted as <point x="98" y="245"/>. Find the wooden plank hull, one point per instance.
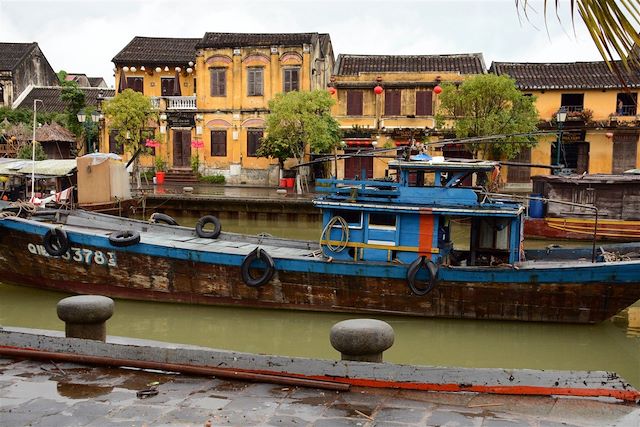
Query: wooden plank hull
<point x="165" y="273"/>
<point x="582" y="229"/>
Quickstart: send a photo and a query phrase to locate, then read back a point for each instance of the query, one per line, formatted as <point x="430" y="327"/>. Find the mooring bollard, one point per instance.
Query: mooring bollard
<point x="363" y="340"/>
<point x="85" y="316"/>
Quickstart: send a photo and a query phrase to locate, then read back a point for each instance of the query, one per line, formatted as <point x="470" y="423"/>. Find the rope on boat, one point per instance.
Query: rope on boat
<point x="344" y="236"/>
<point x="25" y="206"/>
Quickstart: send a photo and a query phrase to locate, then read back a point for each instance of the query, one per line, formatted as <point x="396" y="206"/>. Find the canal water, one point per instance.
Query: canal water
<point x="613" y="345"/>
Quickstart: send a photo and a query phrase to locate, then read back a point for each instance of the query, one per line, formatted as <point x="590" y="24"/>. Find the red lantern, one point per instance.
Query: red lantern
<point x="437" y="89"/>
<point x="378" y="90"/>
<point x="332" y="90"/>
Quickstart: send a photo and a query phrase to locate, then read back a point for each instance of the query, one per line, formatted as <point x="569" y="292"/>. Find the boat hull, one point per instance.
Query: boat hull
<point x="147" y="272"/>
<point x="582" y="229"/>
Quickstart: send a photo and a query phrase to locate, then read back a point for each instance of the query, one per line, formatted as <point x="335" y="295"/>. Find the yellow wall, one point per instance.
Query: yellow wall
<point x="152" y="80"/>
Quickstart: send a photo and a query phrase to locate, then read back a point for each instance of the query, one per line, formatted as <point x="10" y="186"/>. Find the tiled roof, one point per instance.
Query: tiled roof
<point x="471" y="63"/>
<point x="51" y="102"/>
<point x="220" y="40"/>
<point x="157" y="51"/>
<point x="12" y="53"/>
<point x="97" y="82"/>
<point x="570" y="75"/>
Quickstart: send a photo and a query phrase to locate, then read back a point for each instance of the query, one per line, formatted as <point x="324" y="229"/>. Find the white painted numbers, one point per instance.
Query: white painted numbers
<point x="81" y="255"/>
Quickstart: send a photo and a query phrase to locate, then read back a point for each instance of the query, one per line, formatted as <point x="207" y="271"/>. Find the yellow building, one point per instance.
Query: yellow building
<point x="387" y="101"/>
<point x="214" y="92"/>
<point x="600" y="134"/>
<point x="162" y="69"/>
<point x="239" y="75"/>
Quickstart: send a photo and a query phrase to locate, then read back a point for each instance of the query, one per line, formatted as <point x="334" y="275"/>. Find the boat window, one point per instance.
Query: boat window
<point x="382" y="220"/>
<point x="353" y="218"/>
<point x="494" y="233"/>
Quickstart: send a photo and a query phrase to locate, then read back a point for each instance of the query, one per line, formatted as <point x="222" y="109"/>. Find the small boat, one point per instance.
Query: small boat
<point x="420" y="243"/>
<point x="616" y="199"/>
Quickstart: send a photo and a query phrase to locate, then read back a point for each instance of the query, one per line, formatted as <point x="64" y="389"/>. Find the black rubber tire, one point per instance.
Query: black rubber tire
<point x="422" y="288"/>
<point x="56" y="242"/>
<point x="257" y="254"/>
<point x="208" y="219"/>
<point x="157" y="217"/>
<point x="124" y="238"/>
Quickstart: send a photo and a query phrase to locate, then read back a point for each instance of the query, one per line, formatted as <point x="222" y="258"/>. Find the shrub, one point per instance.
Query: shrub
<point x="213" y="179"/>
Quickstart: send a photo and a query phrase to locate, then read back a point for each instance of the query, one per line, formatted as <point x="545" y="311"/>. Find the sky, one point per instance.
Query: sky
<point x="83" y="36"/>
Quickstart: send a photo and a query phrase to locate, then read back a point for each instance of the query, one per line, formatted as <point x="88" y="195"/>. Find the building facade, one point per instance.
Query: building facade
<point x="22" y="65"/>
<point x="600" y="134"/>
<point x="212" y="93"/>
<point x="389" y="101"/>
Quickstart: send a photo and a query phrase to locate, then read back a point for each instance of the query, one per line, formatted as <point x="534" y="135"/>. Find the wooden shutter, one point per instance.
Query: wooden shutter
<point x="250" y="82"/>
<point x="253" y="142"/>
<point x="258" y="81"/>
<point x="354" y="103"/>
<point x="291" y="79"/>
<point x="392" y="102"/>
<point x="625" y="147"/>
<point x="166" y="87"/>
<point x="136" y="84"/>
<point x="424" y="104"/>
<point x="218" y="82"/>
<point x="219" y="143"/>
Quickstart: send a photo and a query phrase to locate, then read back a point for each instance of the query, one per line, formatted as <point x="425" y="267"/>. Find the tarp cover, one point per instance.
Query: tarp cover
<point x="46" y="168"/>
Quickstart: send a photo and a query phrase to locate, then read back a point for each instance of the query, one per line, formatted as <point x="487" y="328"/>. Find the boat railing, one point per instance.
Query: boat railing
<point x="352" y="189"/>
<point x="517" y="197"/>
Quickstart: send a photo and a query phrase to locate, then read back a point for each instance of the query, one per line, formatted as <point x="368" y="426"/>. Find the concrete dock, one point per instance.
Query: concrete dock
<point x="34" y="393"/>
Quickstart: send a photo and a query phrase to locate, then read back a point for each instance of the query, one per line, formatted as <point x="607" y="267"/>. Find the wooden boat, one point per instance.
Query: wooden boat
<point x="616" y="197"/>
<point x="386" y="247"/>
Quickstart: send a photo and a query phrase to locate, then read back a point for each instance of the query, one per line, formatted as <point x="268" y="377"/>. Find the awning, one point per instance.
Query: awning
<point x="48" y="168"/>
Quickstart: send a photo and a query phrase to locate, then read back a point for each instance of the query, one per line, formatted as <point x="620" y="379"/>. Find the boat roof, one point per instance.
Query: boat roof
<point x="444" y="165"/>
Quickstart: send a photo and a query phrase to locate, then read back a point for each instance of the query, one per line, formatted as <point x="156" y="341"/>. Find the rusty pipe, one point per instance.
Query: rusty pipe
<point x="185" y="369"/>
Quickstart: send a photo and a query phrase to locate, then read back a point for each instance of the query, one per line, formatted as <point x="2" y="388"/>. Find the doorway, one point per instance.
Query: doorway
<point x="181" y="148"/>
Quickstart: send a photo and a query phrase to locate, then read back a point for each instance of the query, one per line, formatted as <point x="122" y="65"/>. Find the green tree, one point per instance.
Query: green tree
<point x="298" y="119"/>
<point x="25" y="152"/>
<point x="74" y="99"/>
<point x="486" y="105"/>
<point x="129" y="113"/>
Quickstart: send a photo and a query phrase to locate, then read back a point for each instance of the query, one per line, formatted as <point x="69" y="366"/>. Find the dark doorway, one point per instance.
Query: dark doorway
<point x="354" y="166"/>
<point x="182" y="148"/>
<point x="572" y="101"/>
<point x="574" y="156"/>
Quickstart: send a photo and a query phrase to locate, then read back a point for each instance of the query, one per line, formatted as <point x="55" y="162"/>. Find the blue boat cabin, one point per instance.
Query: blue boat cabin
<point x="416" y="211"/>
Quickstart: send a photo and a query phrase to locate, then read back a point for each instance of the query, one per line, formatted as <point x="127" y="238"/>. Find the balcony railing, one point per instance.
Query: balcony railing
<point x="181" y="102"/>
<point x="626" y="110"/>
<point x="573" y="108"/>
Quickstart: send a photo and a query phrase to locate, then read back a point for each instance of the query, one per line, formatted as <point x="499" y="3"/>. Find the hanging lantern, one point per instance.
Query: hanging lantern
<point x="437" y="89"/>
<point x="142" y="68"/>
<point x="166" y="68"/>
<point x="378" y="90"/>
<point x="133" y="69"/>
<point x="158" y="69"/>
<point x="332" y="90"/>
<point x="178" y="69"/>
<point x="189" y="70"/>
<point x="125" y="68"/>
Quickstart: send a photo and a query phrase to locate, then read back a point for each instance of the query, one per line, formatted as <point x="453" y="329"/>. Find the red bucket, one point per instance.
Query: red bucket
<point x="159" y="177"/>
<point x="283" y="183"/>
<point x="290" y="182"/>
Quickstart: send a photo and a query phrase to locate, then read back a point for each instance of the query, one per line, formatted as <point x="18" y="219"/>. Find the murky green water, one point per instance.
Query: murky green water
<point x="613" y="346"/>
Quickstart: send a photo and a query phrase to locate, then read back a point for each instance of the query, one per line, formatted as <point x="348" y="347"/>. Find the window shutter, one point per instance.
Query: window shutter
<point x="222" y="82"/>
<point x="295" y="80"/>
<point x="259" y="82"/>
<point x="354" y="103"/>
<point x="287" y="80"/>
<point x="424" y="103"/>
<point x="214" y="82"/>
<point x="392" y="102"/>
<point x="251" y="82"/>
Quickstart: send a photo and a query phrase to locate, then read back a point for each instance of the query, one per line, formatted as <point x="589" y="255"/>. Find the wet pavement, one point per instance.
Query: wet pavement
<point x="40" y="394"/>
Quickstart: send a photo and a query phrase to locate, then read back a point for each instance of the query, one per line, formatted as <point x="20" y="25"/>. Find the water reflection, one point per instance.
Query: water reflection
<point x="607" y="346"/>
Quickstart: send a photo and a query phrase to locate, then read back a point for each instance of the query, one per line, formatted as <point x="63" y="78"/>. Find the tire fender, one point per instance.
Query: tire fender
<point x="56" y="242"/>
<point x="267" y="275"/>
<point x="208" y="219"/>
<point x="416" y="286"/>
<point x="124" y="238"/>
<point x="158" y="217"/>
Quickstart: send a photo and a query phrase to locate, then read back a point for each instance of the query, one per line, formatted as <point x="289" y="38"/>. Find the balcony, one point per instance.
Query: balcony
<point x="180" y="103"/>
<point x="626" y="110"/>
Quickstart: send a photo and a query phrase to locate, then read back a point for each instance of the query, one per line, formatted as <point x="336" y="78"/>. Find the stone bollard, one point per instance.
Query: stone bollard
<point x="85" y="316"/>
<point x="363" y="340"/>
